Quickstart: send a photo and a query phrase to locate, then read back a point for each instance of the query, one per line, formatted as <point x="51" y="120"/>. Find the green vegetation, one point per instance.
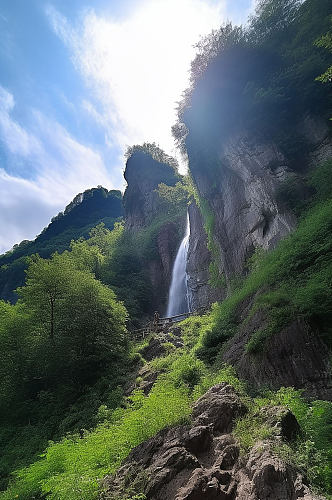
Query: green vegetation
<point x="311" y="452"/>
<point x="65" y="354"/>
<point x="325" y="41"/>
<point x="63" y="347"/>
<point x="153" y="151"/>
<point x="297" y="274"/>
<point x="262" y="75"/>
<point x="88" y="209"/>
<point x="72" y="468"/>
<point x="217" y="279"/>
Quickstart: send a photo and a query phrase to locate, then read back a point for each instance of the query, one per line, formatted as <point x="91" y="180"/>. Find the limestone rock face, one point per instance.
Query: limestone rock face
<point x="239" y="178"/>
<point x="241" y="196"/>
<point x="201" y="461"/>
<point x="295" y="356"/>
<point x="199" y="259"/>
<point x="141" y="201"/>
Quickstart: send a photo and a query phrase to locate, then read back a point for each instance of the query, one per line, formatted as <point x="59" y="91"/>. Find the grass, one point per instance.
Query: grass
<point x="294" y="279"/>
<point x="73" y="468"/>
<point x="298" y="274"/>
<point x="311" y="452"/>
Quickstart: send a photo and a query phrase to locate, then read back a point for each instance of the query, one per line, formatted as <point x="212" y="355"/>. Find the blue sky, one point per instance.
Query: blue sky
<point x="79" y="81"/>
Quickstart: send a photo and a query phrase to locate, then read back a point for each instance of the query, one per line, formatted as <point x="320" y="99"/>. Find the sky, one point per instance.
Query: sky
<point x="80" y="80"/>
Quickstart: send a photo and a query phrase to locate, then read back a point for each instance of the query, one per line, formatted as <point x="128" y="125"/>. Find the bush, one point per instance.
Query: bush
<point x="311" y="452"/>
<point x="72" y="468"/>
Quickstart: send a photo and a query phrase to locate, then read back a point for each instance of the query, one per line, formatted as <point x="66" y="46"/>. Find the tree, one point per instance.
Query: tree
<point x="78" y="321"/>
<point x="270" y="19"/>
<point x="46" y="284"/>
<point x="325" y="41"/>
<point x="14" y="329"/>
<point x="154" y="151"/>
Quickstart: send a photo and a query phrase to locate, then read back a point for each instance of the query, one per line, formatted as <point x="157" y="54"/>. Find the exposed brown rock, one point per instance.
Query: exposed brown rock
<point x="154" y="349"/>
<point x="219" y="407"/>
<point x="202" y="461"/>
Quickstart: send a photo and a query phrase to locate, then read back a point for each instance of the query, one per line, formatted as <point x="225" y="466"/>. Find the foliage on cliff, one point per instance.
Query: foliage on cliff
<point x="261" y="77"/>
<point x="73" y="468"/>
<point x="63" y="346"/>
<point x="65" y="339"/>
<point x="153" y="151"/>
<point x="155" y="203"/>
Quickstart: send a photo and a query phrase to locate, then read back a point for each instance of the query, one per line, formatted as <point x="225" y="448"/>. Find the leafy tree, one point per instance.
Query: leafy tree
<point x="14" y="326"/>
<point x="78" y="315"/>
<point x="154" y="151"/>
<point x="325" y="41"/>
<point x="271" y="18"/>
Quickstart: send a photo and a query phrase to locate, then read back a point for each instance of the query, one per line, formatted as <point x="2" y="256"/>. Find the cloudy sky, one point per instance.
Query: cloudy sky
<point x="79" y="81"/>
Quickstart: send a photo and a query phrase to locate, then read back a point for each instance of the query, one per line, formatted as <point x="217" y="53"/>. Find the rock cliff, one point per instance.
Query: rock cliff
<point x="240" y="189"/>
<point x="149" y="217"/>
<point x="294" y="356"/>
<point x="141" y="199"/>
<point x="199" y="260"/>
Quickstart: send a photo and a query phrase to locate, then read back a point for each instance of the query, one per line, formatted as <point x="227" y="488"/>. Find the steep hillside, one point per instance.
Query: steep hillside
<point x="94" y="206"/>
<point x="255" y="127"/>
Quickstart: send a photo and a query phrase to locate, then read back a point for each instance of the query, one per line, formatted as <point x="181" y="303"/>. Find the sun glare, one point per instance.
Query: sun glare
<point x="139" y="68"/>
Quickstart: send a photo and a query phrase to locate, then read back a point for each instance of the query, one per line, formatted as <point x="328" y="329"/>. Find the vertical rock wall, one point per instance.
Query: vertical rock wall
<point x="199" y="259"/>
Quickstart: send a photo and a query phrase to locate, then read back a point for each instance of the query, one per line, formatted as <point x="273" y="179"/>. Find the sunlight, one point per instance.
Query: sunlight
<point x="138" y="68"/>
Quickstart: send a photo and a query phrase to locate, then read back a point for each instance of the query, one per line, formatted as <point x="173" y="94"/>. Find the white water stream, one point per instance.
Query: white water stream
<point x="179" y="300"/>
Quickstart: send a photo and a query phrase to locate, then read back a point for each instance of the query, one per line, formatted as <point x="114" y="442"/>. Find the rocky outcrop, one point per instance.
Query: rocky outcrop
<point x="141" y="200"/>
<point x="294" y="356"/>
<point x="241" y="195"/>
<point x="238" y="177"/>
<point x="202" y="461"/>
<point x="199" y="259"/>
<point x="143" y="207"/>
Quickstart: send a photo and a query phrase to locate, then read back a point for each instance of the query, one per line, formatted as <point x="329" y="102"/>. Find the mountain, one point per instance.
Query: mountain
<point x="235" y="401"/>
<point x="94" y="206"/>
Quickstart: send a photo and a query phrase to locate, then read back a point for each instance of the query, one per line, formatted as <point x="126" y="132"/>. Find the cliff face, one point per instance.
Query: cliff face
<point x="294" y="356"/>
<point x="240" y="192"/>
<point x="141" y="200"/>
<point x="240" y="189"/>
<point x="149" y="217"/>
<point x="199" y="260"/>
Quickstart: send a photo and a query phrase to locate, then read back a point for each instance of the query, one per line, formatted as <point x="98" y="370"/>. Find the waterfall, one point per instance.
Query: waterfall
<point x="179" y="300"/>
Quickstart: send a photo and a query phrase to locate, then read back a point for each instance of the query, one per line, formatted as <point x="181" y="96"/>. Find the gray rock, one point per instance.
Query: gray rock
<point x="197" y="462"/>
<point x="219" y="407"/>
<point x="154" y="349"/>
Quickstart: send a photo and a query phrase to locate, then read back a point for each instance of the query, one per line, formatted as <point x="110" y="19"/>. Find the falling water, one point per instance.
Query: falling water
<point x="179" y="295"/>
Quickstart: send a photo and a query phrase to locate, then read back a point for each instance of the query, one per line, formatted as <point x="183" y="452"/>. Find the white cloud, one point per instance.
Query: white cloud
<point x="24" y="209"/>
<point x="16" y="139"/>
<point x="62" y="167"/>
<point x="138" y="68"/>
